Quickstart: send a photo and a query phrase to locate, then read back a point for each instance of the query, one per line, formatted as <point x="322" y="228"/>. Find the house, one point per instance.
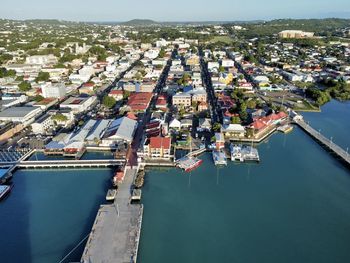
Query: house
<point x="204" y="124"/>
<point x="157" y="148"/>
<point x="232" y="131"/>
<point x="161" y="103"/>
<point x="202" y="106"/>
<point x="186" y="124"/>
<point x="219" y="141"/>
<point x="175" y="124"/>
<point x="118" y="95"/>
<point x="87" y="88"/>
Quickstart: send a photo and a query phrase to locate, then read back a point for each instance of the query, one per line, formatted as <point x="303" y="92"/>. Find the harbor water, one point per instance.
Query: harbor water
<point x="48" y="212"/>
<point x="292" y="207"/>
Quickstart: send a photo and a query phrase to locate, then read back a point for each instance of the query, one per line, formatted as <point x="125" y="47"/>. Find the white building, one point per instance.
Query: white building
<point x="42" y="60"/>
<point x="24" y="115"/>
<point x="43" y="124"/>
<point x="53" y="90"/>
<point x="78" y="104"/>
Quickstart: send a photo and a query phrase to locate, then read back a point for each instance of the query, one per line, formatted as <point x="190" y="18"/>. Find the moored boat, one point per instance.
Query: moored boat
<point x="236" y="153"/>
<point x="219" y="157"/>
<point x="111" y="194"/>
<point x="188" y="164"/>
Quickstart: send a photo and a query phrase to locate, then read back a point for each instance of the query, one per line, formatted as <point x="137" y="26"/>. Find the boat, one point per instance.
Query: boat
<point x="219" y="157"/>
<point x="4" y="190"/>
<point x="236" y="153"/>
<point x="285" y="128"/>
<point x="111" y="194"/>
<point x="244" y="153"/>
<point x="250" y="154"/>
<point x="188" y="164"/>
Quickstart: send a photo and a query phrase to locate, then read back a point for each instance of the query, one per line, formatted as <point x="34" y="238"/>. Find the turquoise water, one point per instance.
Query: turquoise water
<point x="334" y="121"/>
<point x="48" y="212"/>
<point x="292" y="207"/>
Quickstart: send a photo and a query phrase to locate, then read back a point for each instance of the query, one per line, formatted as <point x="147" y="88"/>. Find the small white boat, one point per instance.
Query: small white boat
<point x="236" y="153"/>
<point x="219" y="158"/>
<point x="111" y="194"/>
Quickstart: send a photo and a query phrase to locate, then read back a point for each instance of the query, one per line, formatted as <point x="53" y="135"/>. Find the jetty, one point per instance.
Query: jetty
<point x="325" y="142"/>
<point x="66" y="163"/>
<point x="116" y="231"/>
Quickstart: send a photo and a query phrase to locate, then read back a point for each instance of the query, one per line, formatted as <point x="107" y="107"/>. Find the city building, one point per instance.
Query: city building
<point x="157" y="148"/>
<point x="295" y="34"/>
<point x="23" y="115"/>
<point x="53" y="90"/>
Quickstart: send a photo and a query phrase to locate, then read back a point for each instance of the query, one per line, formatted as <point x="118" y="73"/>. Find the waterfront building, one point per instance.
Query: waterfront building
<point x="120" y="130"/>
<point x="157" y="148"/>
<point x="219" y="141"/>
<point x="232" y="131"/>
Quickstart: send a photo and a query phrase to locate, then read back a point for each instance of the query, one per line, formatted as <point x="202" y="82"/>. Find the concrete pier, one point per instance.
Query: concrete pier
<point x="115" y="235"/>
<point x="329" y="144"/>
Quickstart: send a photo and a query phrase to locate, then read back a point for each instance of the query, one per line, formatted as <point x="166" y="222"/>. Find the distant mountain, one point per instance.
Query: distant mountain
<point x="140" y="22"/>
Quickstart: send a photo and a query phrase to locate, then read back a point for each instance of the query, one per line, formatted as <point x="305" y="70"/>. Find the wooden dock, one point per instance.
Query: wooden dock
<point x="325" y="142"/>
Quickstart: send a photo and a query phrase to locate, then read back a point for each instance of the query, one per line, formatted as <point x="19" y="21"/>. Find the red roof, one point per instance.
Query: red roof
<point x="116" y="92"/>
<point x="131" y="116"/>
<point x="160" y="142"/>
<point x="140" y="101"/>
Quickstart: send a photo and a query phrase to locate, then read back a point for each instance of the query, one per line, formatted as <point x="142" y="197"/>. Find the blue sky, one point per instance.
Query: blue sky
<point x="178" y="10"/>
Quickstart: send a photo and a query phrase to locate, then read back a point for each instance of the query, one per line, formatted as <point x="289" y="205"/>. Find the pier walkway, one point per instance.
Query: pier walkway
<point x="116" y="232"/>
<point x="336" y="149"/>
<point x="66" y="163"/>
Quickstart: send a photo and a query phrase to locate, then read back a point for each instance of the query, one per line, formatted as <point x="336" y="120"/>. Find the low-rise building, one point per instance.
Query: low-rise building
<point x="24" y="115"/>
<point x="43" y="125"/>
<point x="157" y="148"/>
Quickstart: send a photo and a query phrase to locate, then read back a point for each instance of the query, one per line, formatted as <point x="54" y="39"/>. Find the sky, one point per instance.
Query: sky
<point x="178" y="10"/>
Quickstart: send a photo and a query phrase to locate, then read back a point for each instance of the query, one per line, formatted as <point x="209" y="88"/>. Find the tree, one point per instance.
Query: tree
<point x="235" y="120"/>
<point x="243" y="111"/>
<point x="216" y="127"/>
<point x="7" y="73"/>
<point x="24" y="86"/>
<point x="59" y="117"/>
<point x="126" y="94"/>
<point x="161" y="53"/>
<point x="251" y="104"/>
<point x="38" y="98"/>
<point x="42" y="76"/>
<point x="108" y="102"/>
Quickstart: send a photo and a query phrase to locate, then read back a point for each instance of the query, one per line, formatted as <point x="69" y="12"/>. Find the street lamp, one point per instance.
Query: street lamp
<point x="331" y="140"/>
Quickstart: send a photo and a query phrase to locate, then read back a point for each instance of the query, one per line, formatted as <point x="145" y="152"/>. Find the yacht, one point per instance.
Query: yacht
<point x="236" y="153"/>
<point x="250" y="154"/>
<point x="219" y="157"/>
